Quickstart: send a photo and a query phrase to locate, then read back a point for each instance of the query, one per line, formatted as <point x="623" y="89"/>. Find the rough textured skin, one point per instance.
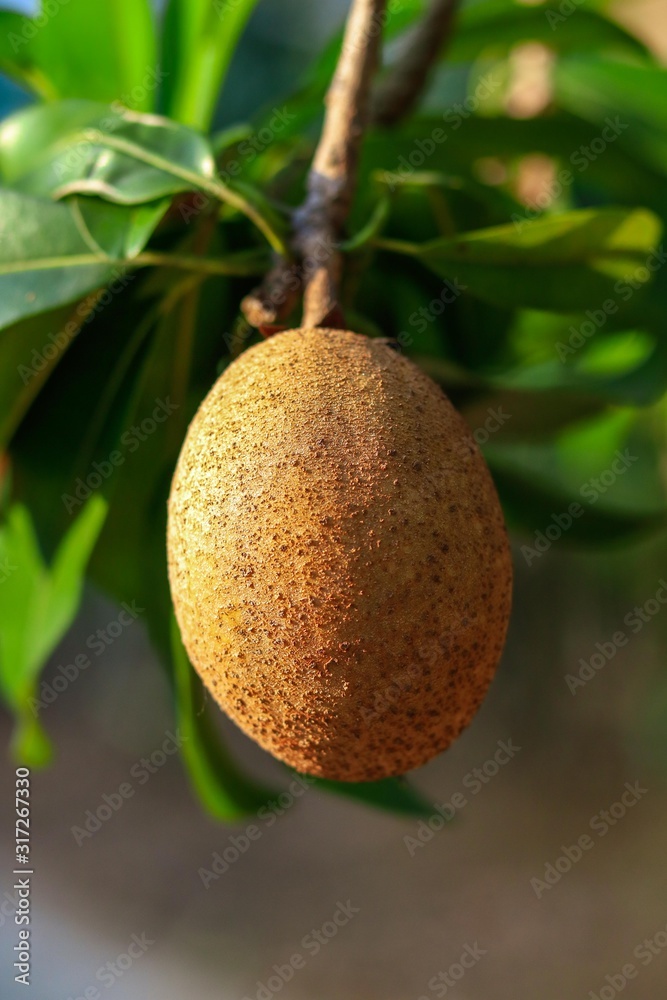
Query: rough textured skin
<point x="337" y="556"/>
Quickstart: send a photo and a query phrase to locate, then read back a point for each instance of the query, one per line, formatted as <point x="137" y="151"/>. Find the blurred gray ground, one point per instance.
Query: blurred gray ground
<point x="469" y="885"/>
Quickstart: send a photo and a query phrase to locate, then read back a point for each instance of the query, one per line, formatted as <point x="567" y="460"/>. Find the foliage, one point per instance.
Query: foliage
<point x="130" y="230"/>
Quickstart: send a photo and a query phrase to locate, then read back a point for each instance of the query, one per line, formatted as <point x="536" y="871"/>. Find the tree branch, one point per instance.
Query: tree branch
<point x="399" y="93"/>
<point x="319" y="222"/>
<point x="272" y="301"/>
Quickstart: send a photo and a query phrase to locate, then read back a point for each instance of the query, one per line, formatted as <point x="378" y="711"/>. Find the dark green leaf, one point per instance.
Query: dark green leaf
<point x="617" y="498"/>
<point x="222" y="789"/>
<point x="44" y="259"/>
<point x="638" y="384"/>
<point x="494" y="27"/>
<point x="29" y="351"/>
<point x="636" y="96"/>
<point x="371" y="229"/>
<point x="78" y="417"/>
<point x="564" y="262"/>
<point x="228" y="137"/>
<point x="530" y="507"/>
<point x="549" y="390"/>
<point x="394" y="794"/>
<point x="119" y="231"/>
<point x="615" y="177"/>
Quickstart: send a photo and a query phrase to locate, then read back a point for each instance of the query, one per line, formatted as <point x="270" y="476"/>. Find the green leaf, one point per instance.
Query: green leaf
<point x="17" y="59"/>
<point x="599" y="89"/>
<point x="72" y="148"/>
<point x="228" y="137"/>
<point x="539" y="400"/>
<point x="66" y="576"/>
<point x="29" y="351"/>
<point x="111" y="378"/>
<point x="563" y="263"/>
<point x="117" y="231"/>
<point x="199" y="40"/>
<point x="29" y="744"/>
<point x="552" y="394"/>
<point x="124" y="157"/>
<point x="80" y="416"/>
<point x="371" y="229"/>
<point x="54" y="253"/>
<point x="184" y="335"/>
<point x="538" y="482"/>
<point x="638" y="384"/>
<point x="530" y="505"/>
<point x="37" y="606"/>
<point x="307" y="102"/>
<point x="615" y="177"/>
<point x="456" y="191"/>
<point x="394" y="794"/>
<point x="44" y="259"/>
<point x="30" y="136"/>
<point x="494" y="28"/>
<point x="222" y="789"/>
<point x="106" y="52"/>
<point x="24" y="569"/>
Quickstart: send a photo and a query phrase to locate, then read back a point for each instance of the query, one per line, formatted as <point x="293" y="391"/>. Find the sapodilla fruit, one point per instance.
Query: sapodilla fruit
<point x="337" y="556"/>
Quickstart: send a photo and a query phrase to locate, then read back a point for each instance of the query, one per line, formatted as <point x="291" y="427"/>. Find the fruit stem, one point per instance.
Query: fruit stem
<point x="319" y="222"/>
<point x="399" y="92"/>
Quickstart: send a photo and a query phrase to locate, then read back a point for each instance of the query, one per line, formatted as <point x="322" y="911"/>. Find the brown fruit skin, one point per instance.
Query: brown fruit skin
<point x="338" y="559"/>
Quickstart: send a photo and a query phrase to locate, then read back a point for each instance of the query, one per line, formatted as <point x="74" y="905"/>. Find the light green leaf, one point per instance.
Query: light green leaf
<point x="17" y="59"/>
<point x="61" y="601"/>
<point x="37" y="605"/>
<point x="107" y="52"/>
<point x="199" y="40"/>
<point x="639" y="384"/>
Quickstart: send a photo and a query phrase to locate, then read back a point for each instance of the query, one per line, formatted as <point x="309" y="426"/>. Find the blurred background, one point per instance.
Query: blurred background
<point x="147" y="870"/>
